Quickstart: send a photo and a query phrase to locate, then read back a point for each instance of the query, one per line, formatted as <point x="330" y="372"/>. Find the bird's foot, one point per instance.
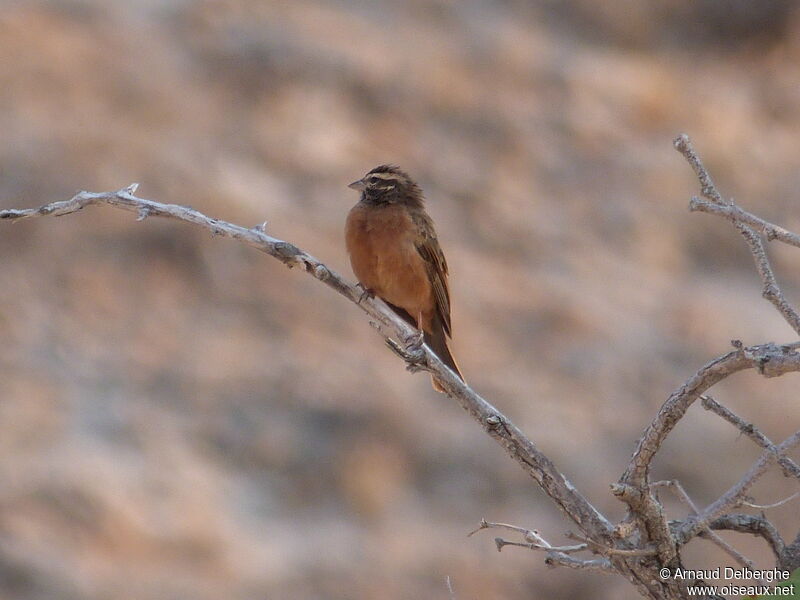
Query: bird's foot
<point x="414" y="352"/>
<point x="365" y="293"/>
<point x="410" y="351"/>
<point x="414" y="343"/>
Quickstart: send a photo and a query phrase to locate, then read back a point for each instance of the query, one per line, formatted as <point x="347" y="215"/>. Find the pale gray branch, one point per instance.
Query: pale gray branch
<point x="417" y="355"/>
<point x="771" y="290"/>
<point x="608" y="551"/>
<point x="752" y="524"/>
<point x="772" y="504"/>
<point x="790" y="557"/>
<point x="707" y="188"/>
<point x="556" y="555"/>
<point x="684" y="497"/>
<point x="717" y="205"/>
<point x="770" y="360"/>
<point x="558" y="559"/>
<point x="734" y="213"/>
<point x="735" y="494"/>
<point x="789" y="466"/>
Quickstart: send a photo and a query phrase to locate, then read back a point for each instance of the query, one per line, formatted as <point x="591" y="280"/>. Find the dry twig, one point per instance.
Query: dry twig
<point x="741" y="220"/>
<point x="734" y="495"/>
<point x="556" y="555"/>
<point x="679" y="490"/>
<point x="789" y="466"/>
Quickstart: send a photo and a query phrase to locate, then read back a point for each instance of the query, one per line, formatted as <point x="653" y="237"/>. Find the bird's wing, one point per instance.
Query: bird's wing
<point x="436" y="266"/>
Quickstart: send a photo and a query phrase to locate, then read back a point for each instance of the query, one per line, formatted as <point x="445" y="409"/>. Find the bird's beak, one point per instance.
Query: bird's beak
<point x="358" y="185"/>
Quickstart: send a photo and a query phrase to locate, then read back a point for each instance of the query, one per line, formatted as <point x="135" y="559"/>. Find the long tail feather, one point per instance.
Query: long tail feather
<point x="437" y="341"/>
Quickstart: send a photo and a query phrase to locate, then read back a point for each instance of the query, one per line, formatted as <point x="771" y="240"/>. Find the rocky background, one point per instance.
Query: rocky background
<point x="183" y="418"/>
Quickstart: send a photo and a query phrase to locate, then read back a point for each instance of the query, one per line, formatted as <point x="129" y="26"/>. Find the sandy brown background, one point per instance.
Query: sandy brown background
<point x="183" y="418"/>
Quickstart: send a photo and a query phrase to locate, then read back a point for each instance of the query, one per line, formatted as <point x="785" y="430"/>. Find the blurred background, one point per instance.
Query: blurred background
<point x="182" y="417"/>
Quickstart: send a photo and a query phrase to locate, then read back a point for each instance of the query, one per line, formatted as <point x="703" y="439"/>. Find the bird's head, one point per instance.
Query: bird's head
<point x="388" y="184"/>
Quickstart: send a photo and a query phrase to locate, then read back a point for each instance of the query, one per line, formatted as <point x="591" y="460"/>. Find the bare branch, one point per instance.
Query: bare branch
<point x="733" y="213"/>
<point x="773" y="505"/>
<point x="556" y="555"/>
<point x="789" y="466"/>
<point x="679" y="490"/>
<point x="771" y="290"/>
<point x="558" y="558"/>
<point x="753" y="525"/>
<point x="707" y="188"/>
<point x="519" y="447"/>
<point x="602" y="565"/>
<point x="533" y="540"/>
<point x="607" y="551"/>
<point x="769" y="360"/>
<point x="790" y="557"/>
<point x="530" y="535"/>
<point x="734" y="495"/>
<point x="632" y="487"/>
<point x="531" y="546"/>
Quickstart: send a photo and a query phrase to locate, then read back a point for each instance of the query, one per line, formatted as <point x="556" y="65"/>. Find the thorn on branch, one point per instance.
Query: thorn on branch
<point x="261" y="227"/>
<point x="144" y="212"/>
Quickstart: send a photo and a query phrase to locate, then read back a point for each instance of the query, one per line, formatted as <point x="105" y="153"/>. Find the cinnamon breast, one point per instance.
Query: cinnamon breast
<point x="381" y="241"/>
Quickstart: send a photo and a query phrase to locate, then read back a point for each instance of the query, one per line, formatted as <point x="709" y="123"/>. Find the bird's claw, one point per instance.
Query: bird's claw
<point x="414" y="343"/>
<point x="365" y="293"/>
<point x="415" y="357"/>
<point x="410" y="351"/>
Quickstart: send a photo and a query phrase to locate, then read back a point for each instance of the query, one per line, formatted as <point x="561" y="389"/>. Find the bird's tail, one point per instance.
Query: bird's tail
<point x="436" y="339"/>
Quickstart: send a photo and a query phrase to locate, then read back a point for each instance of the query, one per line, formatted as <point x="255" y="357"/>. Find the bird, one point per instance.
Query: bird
<point x="395" y="254"/>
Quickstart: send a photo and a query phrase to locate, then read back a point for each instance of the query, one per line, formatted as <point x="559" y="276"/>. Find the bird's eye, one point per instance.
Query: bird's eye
<point x="374" y="179"/>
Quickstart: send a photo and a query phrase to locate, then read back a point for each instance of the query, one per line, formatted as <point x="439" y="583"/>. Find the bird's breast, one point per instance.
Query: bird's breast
<point x="381" y="241"/>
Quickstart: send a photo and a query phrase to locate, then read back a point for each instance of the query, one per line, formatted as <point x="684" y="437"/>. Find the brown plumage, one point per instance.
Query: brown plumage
<point x="395" y="255"/>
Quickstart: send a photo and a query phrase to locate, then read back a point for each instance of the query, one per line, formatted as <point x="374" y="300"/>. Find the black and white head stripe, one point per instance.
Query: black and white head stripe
<point x="389" y="184"/>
